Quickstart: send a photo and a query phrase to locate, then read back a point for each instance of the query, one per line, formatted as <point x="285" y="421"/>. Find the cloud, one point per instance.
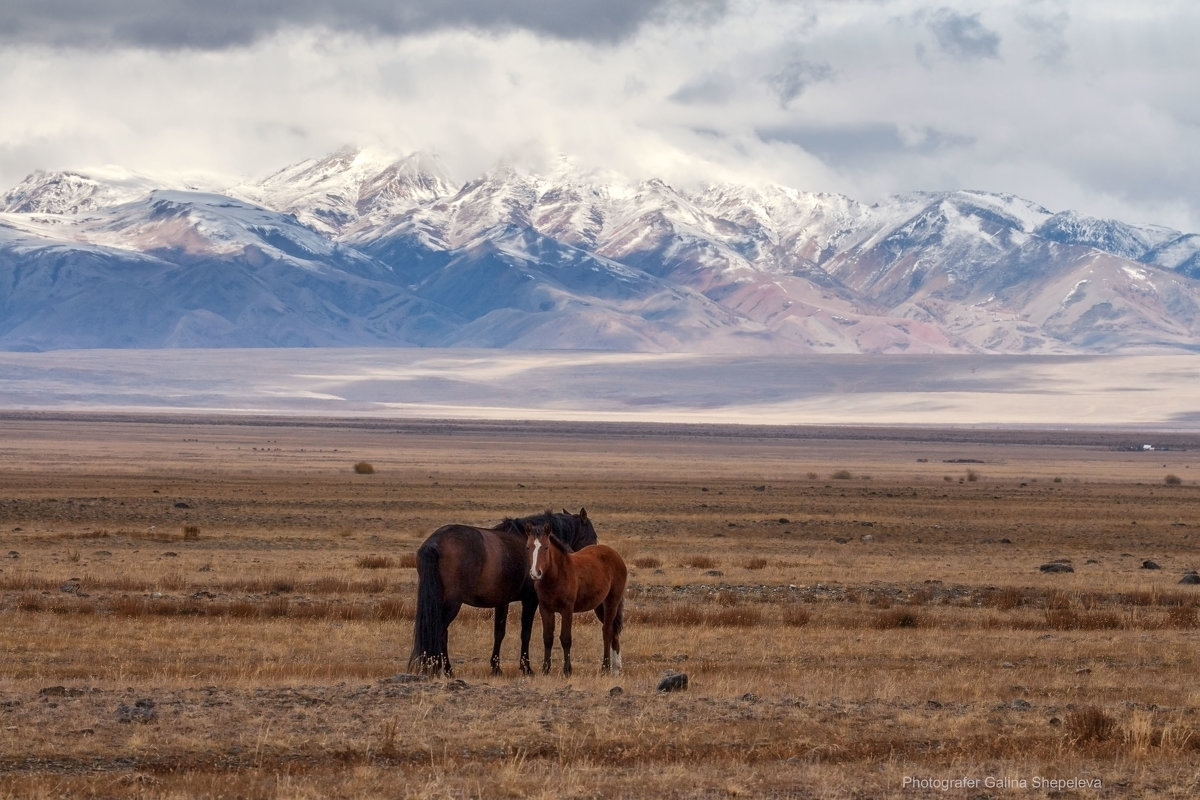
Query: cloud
<point x="1085" y="104"/>
<point x="963" y="36"/>
<point x="222" y="24"/>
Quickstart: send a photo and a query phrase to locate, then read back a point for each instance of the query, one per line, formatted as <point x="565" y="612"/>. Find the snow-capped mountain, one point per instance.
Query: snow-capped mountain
<point x="363" y="248"/>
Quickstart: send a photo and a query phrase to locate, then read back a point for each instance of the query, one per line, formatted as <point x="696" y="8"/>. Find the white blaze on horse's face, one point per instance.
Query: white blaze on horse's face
<point x="534" y="572"/>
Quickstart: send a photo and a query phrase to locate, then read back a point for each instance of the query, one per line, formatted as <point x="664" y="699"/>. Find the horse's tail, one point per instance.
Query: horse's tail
<point x="619" y="620"/>
<point x="429" y="629"/>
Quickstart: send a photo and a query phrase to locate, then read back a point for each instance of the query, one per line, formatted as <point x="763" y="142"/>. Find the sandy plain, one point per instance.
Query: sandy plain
<point x="218" y="606"/>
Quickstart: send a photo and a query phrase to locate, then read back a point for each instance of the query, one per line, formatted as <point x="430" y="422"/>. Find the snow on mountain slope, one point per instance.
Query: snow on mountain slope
<point x="364" y="247"/>
<point x="351" y="185"/>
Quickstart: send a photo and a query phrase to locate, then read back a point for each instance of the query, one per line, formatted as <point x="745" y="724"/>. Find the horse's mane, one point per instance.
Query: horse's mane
<point x="564" y="526"/>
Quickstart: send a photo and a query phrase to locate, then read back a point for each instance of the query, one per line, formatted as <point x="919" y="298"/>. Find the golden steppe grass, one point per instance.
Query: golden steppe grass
<point x="223" y="608"/>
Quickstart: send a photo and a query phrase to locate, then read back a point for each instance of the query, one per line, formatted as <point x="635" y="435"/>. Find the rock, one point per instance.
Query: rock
<point x="673" y="682"/>
<point x="1148" y="564"/>
<point x="615" y="691"/>
<point x="1191" y="577"/>
<point x="1056" y="566"/>
<point x="142" y="711"/>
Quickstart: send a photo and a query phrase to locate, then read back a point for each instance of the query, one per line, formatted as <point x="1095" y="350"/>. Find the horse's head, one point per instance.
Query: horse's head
<point x="583" y="532"/>
<point x="537" y="548"/>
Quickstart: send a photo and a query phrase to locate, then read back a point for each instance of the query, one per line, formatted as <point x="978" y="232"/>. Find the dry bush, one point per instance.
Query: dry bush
<point x="29" y="602"/>
<point x="375" y="562"/>
<point x="841" y="475"/>
<point x="700" y="562"/>
<point x="795" y="615"/>
<point x="408" y="561"/>
<point x="757" y="563"/>
<point x="364" y="468"/>
<point x="1090" y="724"/>
<point x="1173" y="480"/>
<point x="191" y="532"/>
<point x="647" y="562"/>
<point x="897" y="618"/>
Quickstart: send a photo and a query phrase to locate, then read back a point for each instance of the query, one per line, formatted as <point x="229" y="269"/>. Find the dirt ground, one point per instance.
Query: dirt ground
<point x="222" y="607"/>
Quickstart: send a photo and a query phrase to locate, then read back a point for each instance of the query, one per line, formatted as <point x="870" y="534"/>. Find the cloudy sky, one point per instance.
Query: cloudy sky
<point x="1085" y="104"/>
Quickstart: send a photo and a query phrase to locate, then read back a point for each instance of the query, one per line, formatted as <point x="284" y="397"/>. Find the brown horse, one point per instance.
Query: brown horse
<point x="482" y="567"/>
<point x="567" y="583"/>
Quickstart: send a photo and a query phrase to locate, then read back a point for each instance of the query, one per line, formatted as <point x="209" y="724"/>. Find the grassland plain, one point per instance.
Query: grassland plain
<point x="222" y="607"/>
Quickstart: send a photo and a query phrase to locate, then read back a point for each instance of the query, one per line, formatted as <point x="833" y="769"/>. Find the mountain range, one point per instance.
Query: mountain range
<point x="361" y="249"/>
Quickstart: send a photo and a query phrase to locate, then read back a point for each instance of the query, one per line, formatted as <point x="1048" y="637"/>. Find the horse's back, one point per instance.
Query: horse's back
<point x="480" y="566"/>
<point x="605" y="567"/>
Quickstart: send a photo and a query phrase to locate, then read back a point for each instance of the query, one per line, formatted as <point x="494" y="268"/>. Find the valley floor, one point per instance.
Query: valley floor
<point x="218" y="607"/>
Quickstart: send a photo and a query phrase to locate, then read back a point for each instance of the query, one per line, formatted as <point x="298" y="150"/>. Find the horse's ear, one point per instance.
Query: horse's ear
<point x="583" y="515"/>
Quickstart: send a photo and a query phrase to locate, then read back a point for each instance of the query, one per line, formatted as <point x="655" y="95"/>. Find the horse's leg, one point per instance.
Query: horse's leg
<point x="616" y="637"/>
<point x="449" y="612"/>
<point x="498" y="636"/>
<point x="565" y="639"/>
<point x="528" y="611"/>
<point x="547" y="636"/>
<point x="603" y="612"/>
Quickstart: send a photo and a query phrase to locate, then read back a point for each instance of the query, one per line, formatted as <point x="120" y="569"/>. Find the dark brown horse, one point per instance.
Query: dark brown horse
<point x="482" y="567"/>
<point x="592" y="578"/>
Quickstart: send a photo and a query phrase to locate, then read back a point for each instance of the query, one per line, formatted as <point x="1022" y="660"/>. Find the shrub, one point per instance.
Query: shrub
<point x="364" y="468"/>
<point x="647" y="562"/>
<point x="700" y="562"/>
<point x="842" y="475"/>
<point x="1090" y="724"/>
<point x="1173" y="480"/>
<point x="898" y="618"/>
<point x="756" y="563"/>
<point x="191" y="532"/>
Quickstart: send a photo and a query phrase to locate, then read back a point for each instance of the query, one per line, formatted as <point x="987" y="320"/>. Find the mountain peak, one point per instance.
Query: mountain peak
<point x="71" y="192"/>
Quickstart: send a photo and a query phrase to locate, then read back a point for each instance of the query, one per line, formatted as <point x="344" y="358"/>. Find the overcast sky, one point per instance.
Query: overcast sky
<point x="1084" y="104"/>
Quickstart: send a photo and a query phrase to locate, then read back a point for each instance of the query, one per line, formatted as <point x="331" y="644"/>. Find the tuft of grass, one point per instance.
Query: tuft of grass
<point x="364" y="468"/>
<point x="647" y="562"/>
<point x="700" y="562"/>
<point x="1173" y="480"/>
<point x="841" y="475"/>
<point x="756" y="563"/>
<point x="191" y="532"/>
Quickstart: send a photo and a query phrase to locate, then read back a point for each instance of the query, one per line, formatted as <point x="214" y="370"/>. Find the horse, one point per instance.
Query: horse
<point x="485" y="568"/>
<point x="566" y="582"/>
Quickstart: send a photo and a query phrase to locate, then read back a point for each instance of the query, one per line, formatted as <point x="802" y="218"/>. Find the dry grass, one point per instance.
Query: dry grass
<point x="857" y="635"/>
